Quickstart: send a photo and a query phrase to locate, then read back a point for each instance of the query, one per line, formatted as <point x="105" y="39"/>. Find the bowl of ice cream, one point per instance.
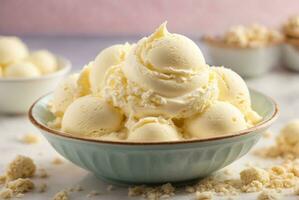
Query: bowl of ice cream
<point x="25" y="76"/>
<point x="156" y="113"/>
<point x="291" y="46"/>
<point x="250" y="51"/>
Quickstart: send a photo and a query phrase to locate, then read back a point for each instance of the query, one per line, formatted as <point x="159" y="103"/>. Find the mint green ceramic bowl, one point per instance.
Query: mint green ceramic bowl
<point x="147" y="163"/>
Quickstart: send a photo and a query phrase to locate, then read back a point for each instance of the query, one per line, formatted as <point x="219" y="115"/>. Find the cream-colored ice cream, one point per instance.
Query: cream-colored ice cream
<point x="44" y="60"/>
<point x="65" y="93"/>
<point x="233" y="89"/>
<point x="164" y="74"/>
<point x="22" y="69"/>
<point x="159" y="89"/>
<point x="84" y="87"/>
<point x="12" y="49"/>
<point x="153" y="129"/>
<point x="91" y="116"/>
<point x="110" y="56"/>
<point x="170" y="65"/>
<point x="219" y="119"/>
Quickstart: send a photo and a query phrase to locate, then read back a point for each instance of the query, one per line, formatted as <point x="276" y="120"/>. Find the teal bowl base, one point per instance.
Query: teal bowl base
<point x="128" y="184"/>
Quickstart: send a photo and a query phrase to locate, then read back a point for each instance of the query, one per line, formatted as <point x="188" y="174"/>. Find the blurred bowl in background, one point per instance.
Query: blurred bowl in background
<point x="247" y="62"/>
<point x="18" y="94"/>
<point x="291" y="54"/>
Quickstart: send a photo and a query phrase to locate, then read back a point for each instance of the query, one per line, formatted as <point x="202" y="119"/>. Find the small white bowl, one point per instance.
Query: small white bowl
<point x="247" y="62"/>
<point x="291" y="56"/>
<point x="18" y="94"/>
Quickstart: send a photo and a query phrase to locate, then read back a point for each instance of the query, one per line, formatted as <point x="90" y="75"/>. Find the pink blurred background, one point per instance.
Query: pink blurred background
<point x="136" y="17"/>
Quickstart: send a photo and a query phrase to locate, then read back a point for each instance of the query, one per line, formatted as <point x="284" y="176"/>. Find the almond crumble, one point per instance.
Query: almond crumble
<point x="6" y="193"/>
<point x="268" y="195"/>
<point x="20" y="167"/>
<point x="62" y="195"/>
<point x="20" y="185"/>
<point x="30" y="138"/>
<point x="57" y="161"/>
<point x="203" y="196"/>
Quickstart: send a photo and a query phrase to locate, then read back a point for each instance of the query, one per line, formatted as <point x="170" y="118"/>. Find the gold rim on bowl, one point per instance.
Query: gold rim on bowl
<point x="261" y="125"/>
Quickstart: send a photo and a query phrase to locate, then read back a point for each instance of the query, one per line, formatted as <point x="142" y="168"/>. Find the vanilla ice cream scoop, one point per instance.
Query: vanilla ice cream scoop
<point x="218" y="119"/>
<point x="170" y="65"/>
<point x="44" y="60"/>
<point x="91" y="116"/>
<point x="163" y="75"/>
<point x="233" y="89"/>
<point x="64" y="94"/>
<point x="21" y="69"/>
<point x="153" y="129"/>
<point x="12" y="49"/>
<point x="108" y="57"/>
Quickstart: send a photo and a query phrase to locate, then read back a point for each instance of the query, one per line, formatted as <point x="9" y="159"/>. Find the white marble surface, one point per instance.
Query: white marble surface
<point x="280" y="84"/>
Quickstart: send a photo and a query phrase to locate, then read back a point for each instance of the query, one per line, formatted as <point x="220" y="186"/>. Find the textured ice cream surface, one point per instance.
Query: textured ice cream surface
<point x="153" y="129"/>
<point x="137" y="101"/>
<point x="22" y="69"/>
<point x="165" y="75"/>
<point x="91" y="116"/>
<point x="64" y="94"/>
<point x="170" y="65"/>
<point x="233" y="89"/>
<point x="44" y="60"/>
<point x="12" y="49"/>
<point x="219" y="119"/>
<point x="108" y="57"/>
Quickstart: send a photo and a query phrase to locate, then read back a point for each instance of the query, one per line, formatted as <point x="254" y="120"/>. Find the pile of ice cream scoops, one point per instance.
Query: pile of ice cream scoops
<point x="17" y="62"/>
<point x="159" y="89"/>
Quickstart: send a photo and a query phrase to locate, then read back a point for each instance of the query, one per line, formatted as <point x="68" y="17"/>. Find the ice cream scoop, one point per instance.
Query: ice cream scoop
<point x="44" y="60"/>
<point x="170" y="65"/>
<point x="233" y="89"/>
<point x="153" y="129"/>
<point x="108" y="57"/>
<point x="12" y="49"/>
<point x="64" y="94"/>
<point x="91" y="116"/>
<point x="21" y="69"/>
<point x="218" y="119"/>
<point x="163" y="75"/>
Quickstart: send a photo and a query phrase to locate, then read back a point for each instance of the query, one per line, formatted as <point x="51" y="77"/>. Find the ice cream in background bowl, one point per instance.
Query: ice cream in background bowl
<point x="154" y="101"/>
<point x="291" y="45"/>
<point x="248" y="50"/>
<point x="26" y="74"/>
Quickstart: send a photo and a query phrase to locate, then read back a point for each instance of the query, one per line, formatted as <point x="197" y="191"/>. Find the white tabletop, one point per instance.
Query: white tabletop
<point x="280" y="84"/>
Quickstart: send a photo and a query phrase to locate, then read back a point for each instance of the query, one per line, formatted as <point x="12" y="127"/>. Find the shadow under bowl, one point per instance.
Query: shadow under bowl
<point x="156" y="162"/>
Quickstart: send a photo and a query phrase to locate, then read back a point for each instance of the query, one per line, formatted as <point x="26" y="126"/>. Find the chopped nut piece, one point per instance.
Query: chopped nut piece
<point x="30" y="138"/>
<point x="109" y="187"/>
<point x="43" y="173"/>
<point x="267" y="195"/>
<point x="20" y="185"/>
<point x="20" y="167"/>
<point x="57" y="161"/>
<point x="92" y="194"/>
<point x="254" y="174"/>
<point x="62" y="195"/>
<point x="2" y="179"/>
<point x="43" y="187"/>
<point x="204" y="196"/>
<point x="6" y="193"/>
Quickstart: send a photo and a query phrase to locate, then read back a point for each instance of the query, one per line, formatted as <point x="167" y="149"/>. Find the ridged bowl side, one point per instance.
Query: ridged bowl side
<point x="157" y="165"/>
